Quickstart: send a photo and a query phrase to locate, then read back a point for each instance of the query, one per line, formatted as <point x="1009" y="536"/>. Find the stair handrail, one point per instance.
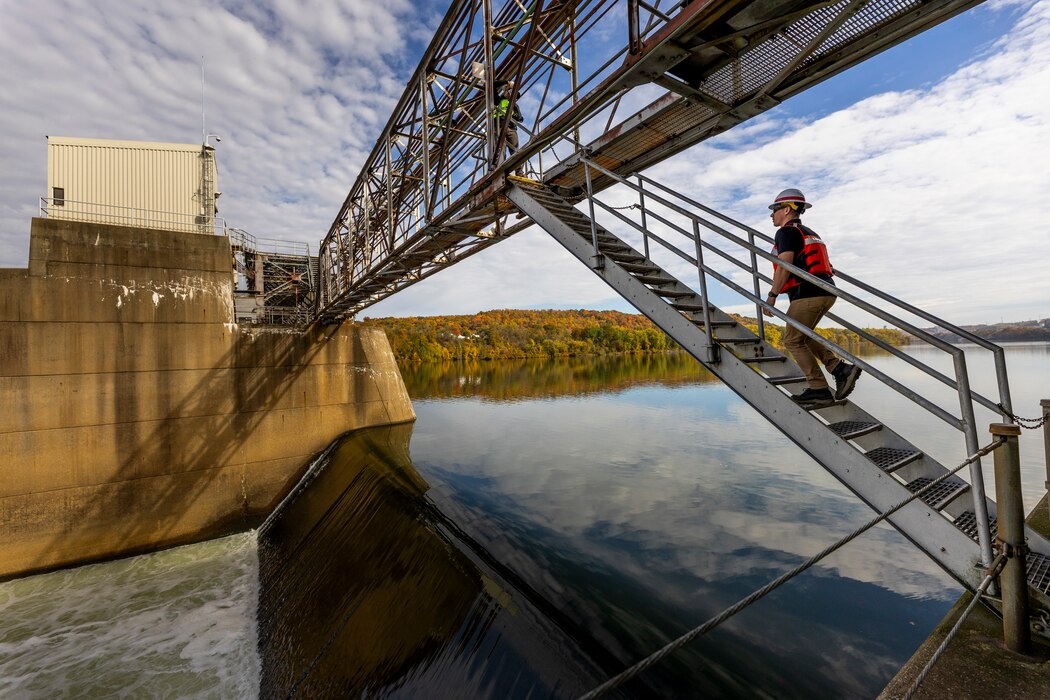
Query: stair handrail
<point x="242" y="239"/>
<point x="966" y="424"/>
<point x="960" y="385"/>
<point x="947" y="325"/>
<point x="917" y="332"/>
<point x="947" y="417"/>
<point x="998" y="354"/>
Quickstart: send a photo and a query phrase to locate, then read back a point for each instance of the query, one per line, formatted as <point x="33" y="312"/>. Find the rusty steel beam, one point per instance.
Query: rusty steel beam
<point x="435" y="169"/>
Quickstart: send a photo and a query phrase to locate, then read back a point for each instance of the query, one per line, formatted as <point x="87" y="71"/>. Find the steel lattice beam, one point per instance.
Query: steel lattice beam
<point x="431" y="191"/>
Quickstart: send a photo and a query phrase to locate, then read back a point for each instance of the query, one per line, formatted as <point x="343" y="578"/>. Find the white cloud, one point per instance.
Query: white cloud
<point x="298" y="92"/>
<point x="932" y="194"/>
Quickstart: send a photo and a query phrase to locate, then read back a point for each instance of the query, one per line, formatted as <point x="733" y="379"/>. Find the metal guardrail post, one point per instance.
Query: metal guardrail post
<point x="711" y="350"/>
<point x="634" y="41"/>
<point x="1045" y="404"/>
<point x="1010" y="510"/>
<point x="599" y="261"/>
<point x="969" y="428"/>
<point x="758" y="292"/>
<point x="641" y="207"/>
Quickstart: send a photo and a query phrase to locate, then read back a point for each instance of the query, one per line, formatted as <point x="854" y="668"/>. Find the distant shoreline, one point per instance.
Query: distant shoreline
<point x="519" y="334"/>
<point x="1038" y="330"/>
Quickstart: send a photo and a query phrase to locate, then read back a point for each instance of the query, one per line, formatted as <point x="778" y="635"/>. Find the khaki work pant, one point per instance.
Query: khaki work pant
<point x="805" y="350"/>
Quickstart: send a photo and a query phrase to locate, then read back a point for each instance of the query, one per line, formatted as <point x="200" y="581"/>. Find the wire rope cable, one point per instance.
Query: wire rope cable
<point x="994" y="571"/>
<point x="715" y="621"/>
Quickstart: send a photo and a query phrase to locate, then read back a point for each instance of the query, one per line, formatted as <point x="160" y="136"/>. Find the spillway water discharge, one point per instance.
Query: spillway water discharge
<point x="177" y="623"/>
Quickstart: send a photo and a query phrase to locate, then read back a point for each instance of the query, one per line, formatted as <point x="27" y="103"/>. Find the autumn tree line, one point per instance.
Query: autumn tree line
<point x="505" y="333"/>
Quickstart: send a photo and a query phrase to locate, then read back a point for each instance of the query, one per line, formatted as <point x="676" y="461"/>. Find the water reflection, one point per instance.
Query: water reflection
<point x="365" y="589"/>
<point x="509" y="380"/>
<point x="646" y="520"/>
<point x="355" y="590"/>
<point x="561" y="520"/>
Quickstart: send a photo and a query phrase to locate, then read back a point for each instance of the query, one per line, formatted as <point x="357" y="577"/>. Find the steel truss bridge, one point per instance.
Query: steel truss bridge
<point x="625" y="82"/>
<point x="608" y="88"/>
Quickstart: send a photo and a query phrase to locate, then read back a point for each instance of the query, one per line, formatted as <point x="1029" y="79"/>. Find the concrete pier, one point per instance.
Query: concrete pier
<point x="977" y="664"/>
<point x="139" y="416"/>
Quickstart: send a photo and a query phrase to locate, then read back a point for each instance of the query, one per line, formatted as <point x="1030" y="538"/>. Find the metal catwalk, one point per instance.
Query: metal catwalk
<point x="626" y="82"/>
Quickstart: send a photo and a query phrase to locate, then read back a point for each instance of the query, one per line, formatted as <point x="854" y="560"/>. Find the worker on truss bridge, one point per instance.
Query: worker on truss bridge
<point x="506" y="112"/>
<point x="799" y="245"/>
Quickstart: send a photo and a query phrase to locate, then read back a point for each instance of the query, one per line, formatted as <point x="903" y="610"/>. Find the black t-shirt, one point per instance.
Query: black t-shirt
<point x="790" y="238"/>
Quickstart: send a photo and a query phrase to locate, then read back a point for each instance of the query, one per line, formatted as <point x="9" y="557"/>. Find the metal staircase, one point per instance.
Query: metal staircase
<point x="276" y="280"/>
<point x="859" y="449"/>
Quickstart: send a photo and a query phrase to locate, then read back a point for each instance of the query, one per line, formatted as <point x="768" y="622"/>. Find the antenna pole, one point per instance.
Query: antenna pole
<point x="204" y="128"/>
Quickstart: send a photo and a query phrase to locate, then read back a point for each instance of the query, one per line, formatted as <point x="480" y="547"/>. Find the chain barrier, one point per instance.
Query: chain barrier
<point x="1028" y="423"/>
<point x="715" y="621"/>
<point x="994" y="571"/>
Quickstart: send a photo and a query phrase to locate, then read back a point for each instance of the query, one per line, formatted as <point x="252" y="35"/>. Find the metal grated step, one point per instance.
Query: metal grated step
<point x="941" y="494"/>
<point x="674" y="293"/>
<point x="699" y="323"/>
<point x="740" y="341"/>
<point x="777" y="381"/>
<point x="552" y="205"/>
<point x="655" y="279"/>
<point x="582" y="228"/>
<point x="766" y="358"/>
<point x="889" y="459"/>
<point x="849" y="429"/>
<point x="967" y="523"/>
<point x="585" y="232"/>
<point x="1038" y="564"/>
<point x="625" y="257"/>
<point x="643" y="268"/>
<point x="567" y="216"/>
<point x="1039" y="571"/>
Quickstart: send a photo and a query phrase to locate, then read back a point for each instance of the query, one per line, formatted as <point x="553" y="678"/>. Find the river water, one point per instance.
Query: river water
<point x="540" y="527"/>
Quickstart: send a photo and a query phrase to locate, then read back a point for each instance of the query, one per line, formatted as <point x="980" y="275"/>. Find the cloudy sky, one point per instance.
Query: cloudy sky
<point x="926" y="164"/>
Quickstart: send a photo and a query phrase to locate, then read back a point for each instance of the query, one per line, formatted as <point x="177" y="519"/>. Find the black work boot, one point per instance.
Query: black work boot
<point x="845" y="379"/>
<point x="815" y="398"/>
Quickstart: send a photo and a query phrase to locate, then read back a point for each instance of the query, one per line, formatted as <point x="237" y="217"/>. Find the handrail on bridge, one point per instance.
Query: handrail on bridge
<point x="243" y="239"/>
<point x="429" y="192"/>
<point x="650" y="192"/>
<point x="138" y="217"/>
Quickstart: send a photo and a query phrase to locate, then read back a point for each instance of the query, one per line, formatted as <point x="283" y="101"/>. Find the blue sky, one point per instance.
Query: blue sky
<point x="925" y="162"/>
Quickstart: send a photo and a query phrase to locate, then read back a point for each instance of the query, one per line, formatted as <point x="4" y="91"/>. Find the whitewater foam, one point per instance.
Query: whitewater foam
<point x="178" y="623"/>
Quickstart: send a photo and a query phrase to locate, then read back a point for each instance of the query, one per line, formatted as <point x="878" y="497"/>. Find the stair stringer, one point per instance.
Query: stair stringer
<point x="925" y="527"/>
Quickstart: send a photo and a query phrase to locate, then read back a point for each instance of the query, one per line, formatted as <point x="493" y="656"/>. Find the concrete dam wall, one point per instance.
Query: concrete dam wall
<point x="139" y="416"/>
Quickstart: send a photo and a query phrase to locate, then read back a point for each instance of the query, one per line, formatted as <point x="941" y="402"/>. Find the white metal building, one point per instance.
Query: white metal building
<point x="169" y="186"/>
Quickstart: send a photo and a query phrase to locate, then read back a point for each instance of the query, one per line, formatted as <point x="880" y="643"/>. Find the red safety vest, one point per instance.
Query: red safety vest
<point x="813" y="258"/>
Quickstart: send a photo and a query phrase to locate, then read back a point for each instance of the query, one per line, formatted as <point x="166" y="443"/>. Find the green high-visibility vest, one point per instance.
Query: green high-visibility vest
<point x="501" y="108"/>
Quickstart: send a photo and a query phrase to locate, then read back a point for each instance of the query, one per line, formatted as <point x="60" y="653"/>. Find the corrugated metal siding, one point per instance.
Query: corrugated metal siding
<point x="127" y="182"/>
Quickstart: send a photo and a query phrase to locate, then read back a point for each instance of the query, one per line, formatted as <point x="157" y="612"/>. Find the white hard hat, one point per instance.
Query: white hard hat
<point x="791" y="196"/>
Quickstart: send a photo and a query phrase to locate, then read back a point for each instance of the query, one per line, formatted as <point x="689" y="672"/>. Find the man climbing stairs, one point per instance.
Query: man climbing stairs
<point x="862" y="451"/>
